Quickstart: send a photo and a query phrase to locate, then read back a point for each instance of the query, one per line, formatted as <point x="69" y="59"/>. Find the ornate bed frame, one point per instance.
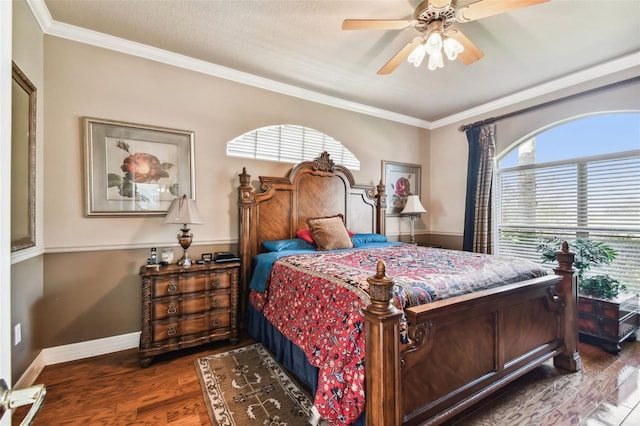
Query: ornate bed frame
<point x="462" y="349"/>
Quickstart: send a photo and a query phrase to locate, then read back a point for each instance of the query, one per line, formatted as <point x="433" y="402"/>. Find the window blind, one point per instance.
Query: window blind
<point x="596" y="198"/>
<point x="290" y="144"/>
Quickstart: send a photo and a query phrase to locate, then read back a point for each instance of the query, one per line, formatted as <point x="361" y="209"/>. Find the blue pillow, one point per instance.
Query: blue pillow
<point x="360" y="239"/>
<point x="292" y="244"/>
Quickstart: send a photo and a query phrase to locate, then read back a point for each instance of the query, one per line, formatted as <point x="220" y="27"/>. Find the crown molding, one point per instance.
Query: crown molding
<point x="81" y="35"/>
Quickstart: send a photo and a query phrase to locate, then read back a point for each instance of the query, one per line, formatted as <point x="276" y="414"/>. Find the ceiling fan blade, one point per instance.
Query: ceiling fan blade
<point x="484" y="8"/>
<point x="471" y="53"/>
<point x="403" y="54"/>
<point x="378" y="24"/>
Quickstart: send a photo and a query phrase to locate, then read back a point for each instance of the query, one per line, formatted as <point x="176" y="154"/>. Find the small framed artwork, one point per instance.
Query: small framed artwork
<point x="135" y="170"/>
<point x="401" y="180"/>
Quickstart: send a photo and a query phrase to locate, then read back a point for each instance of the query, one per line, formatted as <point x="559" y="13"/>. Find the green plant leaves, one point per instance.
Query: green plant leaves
<point x="588" y="253"/>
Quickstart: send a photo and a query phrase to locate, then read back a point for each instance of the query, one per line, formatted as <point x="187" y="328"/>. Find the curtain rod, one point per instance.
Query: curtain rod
<point x="466" y="127"/>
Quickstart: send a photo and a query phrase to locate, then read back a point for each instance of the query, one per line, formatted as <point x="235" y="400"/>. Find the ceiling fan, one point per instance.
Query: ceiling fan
<point x="434" y="20"/>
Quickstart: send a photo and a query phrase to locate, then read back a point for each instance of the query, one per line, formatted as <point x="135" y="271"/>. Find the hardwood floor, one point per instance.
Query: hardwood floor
<point x="605" y="392"/>
<point x="113" y="390"/>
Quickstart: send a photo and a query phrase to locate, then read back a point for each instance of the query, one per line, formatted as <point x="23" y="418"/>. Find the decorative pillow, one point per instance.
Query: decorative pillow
<point x="305" y="234"/>
<point x="360" y="239"/>
<point x="292" y="244"/>
<point x="329" y="233"/>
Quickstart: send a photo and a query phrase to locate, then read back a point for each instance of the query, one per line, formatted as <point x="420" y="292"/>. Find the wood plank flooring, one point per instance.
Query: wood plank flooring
<point x="113" y="390"/>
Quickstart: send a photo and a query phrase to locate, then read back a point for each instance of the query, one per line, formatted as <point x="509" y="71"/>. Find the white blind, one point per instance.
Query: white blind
<point x="290" y="144"/>
<point x="594" y="197"/>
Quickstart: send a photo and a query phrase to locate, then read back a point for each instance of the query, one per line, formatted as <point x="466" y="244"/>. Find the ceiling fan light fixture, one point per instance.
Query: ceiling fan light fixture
<point x="417" y="55"/>
<point x="435" y="60"/>
<point x="452" y="48"/>
<point x="434" y="42"/>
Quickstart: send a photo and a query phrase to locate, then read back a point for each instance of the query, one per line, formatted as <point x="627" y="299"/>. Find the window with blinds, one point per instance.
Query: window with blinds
<point x="290" y="144"/>
<point x="596" y="197"/>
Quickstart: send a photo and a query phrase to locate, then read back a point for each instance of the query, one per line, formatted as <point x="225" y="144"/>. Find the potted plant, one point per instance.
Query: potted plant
<point x="588" y="253"/>
<point x="602" y="286"/>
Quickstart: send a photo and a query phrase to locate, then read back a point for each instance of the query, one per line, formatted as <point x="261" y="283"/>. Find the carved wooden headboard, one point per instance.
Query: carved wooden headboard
<point x="310" y="189"/>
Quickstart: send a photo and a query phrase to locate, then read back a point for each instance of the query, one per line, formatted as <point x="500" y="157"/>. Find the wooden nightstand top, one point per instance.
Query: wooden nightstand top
<point x="176" y="269"/>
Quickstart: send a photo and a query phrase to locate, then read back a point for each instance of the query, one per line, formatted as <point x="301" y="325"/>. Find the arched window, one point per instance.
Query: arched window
<point x="290" y="144"/>
<point x="576" y="179"/>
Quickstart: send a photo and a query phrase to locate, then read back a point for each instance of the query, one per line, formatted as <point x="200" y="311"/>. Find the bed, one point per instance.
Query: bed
<point x="422" y="364"/>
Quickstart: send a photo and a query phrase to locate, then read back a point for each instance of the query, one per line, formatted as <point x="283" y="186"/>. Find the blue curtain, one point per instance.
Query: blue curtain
<point x="473" y="138"/>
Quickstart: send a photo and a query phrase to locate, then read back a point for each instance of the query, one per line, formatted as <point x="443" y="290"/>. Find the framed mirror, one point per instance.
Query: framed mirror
<point x="23" y="161"/>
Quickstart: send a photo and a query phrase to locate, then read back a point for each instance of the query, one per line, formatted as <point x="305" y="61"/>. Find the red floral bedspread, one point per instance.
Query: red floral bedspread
<point x="316" y="301"/>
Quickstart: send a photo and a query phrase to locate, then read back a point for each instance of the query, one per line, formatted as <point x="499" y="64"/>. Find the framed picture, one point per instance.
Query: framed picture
<point x="401" y="180"/>
<point x="23" y="161"/>
<point x="135" y="170"/>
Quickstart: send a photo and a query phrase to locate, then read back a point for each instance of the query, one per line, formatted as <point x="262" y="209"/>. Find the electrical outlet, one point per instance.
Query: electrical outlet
<point x="17" y="334"/>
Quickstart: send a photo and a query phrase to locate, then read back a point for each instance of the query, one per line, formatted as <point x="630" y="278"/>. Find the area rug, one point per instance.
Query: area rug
<point x="246" y="386"/>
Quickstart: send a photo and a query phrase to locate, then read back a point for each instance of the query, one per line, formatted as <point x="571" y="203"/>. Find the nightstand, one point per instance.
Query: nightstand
<point x="609" y="321"/>
<point x="184" y="307"/>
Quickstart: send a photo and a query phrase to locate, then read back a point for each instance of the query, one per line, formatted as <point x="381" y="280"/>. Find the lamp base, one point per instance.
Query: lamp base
<point x="413" y="234"/>
<point x="185" y="242"/>
<point x="185" y="260"/>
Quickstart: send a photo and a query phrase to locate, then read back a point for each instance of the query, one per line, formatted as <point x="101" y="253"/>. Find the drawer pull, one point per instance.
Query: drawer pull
<point x="173" y="287"/>
<point x="215" y="322"/>
<point x="171" y="330"/>
<point x="172" y="309"/>
<point x="215" y="303"/>
<point x="216" y="282"/>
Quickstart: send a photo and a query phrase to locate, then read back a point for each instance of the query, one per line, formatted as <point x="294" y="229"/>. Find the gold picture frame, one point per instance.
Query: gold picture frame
<point x="23" y="160"/>
<point x="135" y="170"/>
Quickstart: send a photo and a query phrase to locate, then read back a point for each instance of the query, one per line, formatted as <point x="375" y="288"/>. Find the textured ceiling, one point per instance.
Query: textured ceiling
<point x="301" y="44"/>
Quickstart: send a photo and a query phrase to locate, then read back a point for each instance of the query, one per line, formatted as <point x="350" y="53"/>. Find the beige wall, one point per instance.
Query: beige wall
<point x="27" y="275"/>
<point x="91" y="286"/>
<point x="83" y="80"/>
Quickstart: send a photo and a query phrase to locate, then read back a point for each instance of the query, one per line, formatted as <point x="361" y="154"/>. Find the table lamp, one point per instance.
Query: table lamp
<point x="184" y="210"/>
<point x="413" y="208"/>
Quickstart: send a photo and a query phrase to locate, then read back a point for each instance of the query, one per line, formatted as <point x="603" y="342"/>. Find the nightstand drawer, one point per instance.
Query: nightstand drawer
<point x="600" y="327"/>
<point x="184" y="284"/>
<point x="176" y="285"/>
<point x="190" y="304"/>
<point x="219" y="280"/>
<point x="178" y="327"/>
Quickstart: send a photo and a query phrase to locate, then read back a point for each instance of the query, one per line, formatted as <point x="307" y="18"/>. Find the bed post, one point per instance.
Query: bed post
<point x="568" y="290"/>
<point x="381" y="209"/>
<point x="382" y="362"/>
<point x="246" y="199"/>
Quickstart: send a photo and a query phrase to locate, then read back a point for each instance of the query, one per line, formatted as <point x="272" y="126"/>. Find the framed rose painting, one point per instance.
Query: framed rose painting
<point x="401" y="180"/>
<point x="133" y="169"/>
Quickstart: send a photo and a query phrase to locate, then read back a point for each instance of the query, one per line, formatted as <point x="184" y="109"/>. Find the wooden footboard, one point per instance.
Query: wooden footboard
<point x="464" y="348"/>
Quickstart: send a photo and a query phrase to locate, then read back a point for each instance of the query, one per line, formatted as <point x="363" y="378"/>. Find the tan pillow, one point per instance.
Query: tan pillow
<point x="329" y="233"/>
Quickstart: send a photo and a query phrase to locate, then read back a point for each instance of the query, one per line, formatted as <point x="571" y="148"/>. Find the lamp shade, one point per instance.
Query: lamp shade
<point x="413" y="205"/>
<point x="183" y="210"/>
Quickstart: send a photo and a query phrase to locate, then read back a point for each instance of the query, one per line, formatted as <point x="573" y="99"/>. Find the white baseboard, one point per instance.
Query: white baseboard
<point x="75" y="351"/>
<point x="32" y="372"/>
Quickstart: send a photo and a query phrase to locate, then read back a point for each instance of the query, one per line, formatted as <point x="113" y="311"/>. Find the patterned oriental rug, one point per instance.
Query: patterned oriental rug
<point x="246" y="386"/>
